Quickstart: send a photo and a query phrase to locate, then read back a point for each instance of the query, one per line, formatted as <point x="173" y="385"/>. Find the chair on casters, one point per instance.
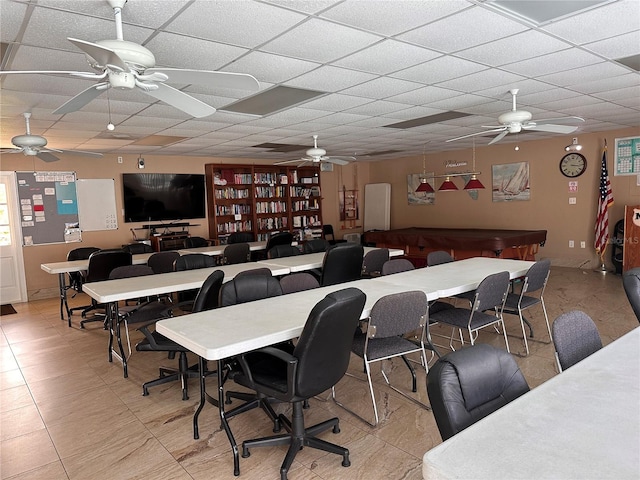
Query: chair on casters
<point x="319" y="360"/>
<point x="328" y="235"/>
<point x="195" y="242"/>
<point x="531" y="293"/>
<point x="342" y="263"/>
<point x="373" y="261"/>
<point x="207" y="299"/>
<point x="76" y="279"/>
<point x="315" y="245"/>
<point x="101" y="263"/>
<point x="137" y="248"/>
<point x="631" y="283"/>
<point x="162" y="262"/>
<point x="392" y="317"/>
<point x="240" y="237"/>
<point x="467" y="385"/>
<point x="575" y="337"/>
<point x="280" y="251"/>
<point x="235" y="253"/>
<point x="277" y="238"/>
<point x="191" y="261"/>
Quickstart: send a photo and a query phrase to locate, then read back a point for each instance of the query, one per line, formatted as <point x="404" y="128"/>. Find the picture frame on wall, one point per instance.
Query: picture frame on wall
<point x="419" y="198"/>
<point x="511" y="182"/>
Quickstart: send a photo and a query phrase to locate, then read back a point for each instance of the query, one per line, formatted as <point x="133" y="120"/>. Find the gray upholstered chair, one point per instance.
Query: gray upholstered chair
<point x="440" y="257"/>
<point x="489" y="297"/>
<point x="531" y="294"/>
<point x="467" y="385"/>
<point x="392" y="317"/>
<point x="631" y="282"/>
<point x="297" y="282"/>
<point x="319" y="360"/>
<point x="575" y="337"/>
<point x="373" y="261"/>
<point x="397" y="265"/>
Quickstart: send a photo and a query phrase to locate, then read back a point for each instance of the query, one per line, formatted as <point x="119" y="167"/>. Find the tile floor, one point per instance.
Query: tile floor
<point x="66" y="413"/>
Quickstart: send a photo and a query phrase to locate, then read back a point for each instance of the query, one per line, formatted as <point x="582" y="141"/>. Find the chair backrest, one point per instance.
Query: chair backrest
<point x="256" y="271"/>
<point x="103" y="261"/>
<point x="438" y="258"/>
<point x="236" y="253"/>
<point x="537" y="276"/>
<point x="327" y="232"/>
<point x="469" y="384"/>
<point x="398" y="313"/>
<point x="297" y="282"/>
<point x="280" y="251"/>
<point x="324" y="346"/>
<point x="208" y="296"/>
<point x="374" y="260"/>
<point x="575" y="337"/>
<point x="195" y="242"/>
<point x="315" y="245"/>
<point x="83" y="253"/>
<point x="137" y="248"/>
<point x="397" y="265"/>
<point x="491" y="292"/>
<point x="247" y="288"/>
<point x="631" y="282"/>
<point x="342" y="263"/>
<point x="128" y="271"/>
<point x="279" y="238"/>
<point x="240" y="237"/>
<point x="162" y="262"/>
<point x="193" y="261"/>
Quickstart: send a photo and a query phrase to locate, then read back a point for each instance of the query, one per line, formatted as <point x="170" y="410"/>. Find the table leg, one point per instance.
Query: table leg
<point x="225" y="423"/>
<point x="201" y="375"/>
<point x="64" y="306"/>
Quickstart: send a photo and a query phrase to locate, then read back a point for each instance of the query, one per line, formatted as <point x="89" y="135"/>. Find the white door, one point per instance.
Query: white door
<point x="13" y="287"/>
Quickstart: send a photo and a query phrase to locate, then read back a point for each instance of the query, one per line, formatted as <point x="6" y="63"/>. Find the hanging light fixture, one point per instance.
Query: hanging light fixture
<point x="574" y="147"/>
<point x="424" y="184"/>
<point x="474" y="183"/>
<point x="447" y="185"/>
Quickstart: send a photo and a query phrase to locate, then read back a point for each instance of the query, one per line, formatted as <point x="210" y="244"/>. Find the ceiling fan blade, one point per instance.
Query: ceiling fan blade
<point x="547" y="127"/>
<point x="81" y="153"/>
<point x="89" y="75"/>
<point x="10" y="150"/>
<point x="500" y="129"/>
<point x="102" y="55"/>
<point x="286" y="162"/>
<point x="339" y="160"/>
<point x="573" y="119"/>
<point x="181" y="101"/>
<point x="80" y="100"/>
<point x="499" y="137"/>
<point x="47" y="157"/>
<point x="240" y="81"/>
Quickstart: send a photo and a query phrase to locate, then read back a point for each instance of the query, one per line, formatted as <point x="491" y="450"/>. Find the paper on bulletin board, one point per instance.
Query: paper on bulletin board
<point x="626" y="159"/>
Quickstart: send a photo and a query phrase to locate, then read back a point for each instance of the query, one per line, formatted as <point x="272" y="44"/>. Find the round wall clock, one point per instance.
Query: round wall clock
<point x="573" y="165"/>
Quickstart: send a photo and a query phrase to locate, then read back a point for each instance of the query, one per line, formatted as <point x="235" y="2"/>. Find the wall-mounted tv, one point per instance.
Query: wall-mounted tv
<point x="163" y="196"/>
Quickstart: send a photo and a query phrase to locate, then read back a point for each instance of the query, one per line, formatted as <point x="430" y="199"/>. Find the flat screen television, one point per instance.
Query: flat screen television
<point x="163" y="196"/>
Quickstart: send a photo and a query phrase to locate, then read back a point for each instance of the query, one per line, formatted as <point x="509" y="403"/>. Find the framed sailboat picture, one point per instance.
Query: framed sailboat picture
<point x="511" y="182"/>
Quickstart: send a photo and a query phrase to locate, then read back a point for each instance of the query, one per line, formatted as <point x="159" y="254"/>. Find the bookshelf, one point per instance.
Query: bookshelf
<point x="263" y="199"/>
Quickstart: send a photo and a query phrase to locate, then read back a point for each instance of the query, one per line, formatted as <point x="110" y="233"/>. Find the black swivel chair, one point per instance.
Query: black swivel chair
<point x="240" y="237"/>
<point x="315" y="245"/>
<point x="279" y="238"/>
<point x="319" y="360"/>
<point x="191" y="261"/>
<point x="631" y="282"/>
<point x="280" y="251"/>
<point x="195" y="242"/>
<point x="236" y="253"/>
<point x="206" y="299"/>
<point x="467" y="385"/>
<point x="162" y="262"/>
<point x="137" y="248"/>
<point x="101" y="263"/>
<point x="342" y="263"/>
<point x="76" y="279"/>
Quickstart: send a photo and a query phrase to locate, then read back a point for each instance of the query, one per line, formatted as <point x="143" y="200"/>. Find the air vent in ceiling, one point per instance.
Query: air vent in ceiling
<point x="632" y="61"/>
<point x="281" y="147"/>
<point x="437" y="118"/>
<point x="541" y="12"/>
<point x="272" y="100"/>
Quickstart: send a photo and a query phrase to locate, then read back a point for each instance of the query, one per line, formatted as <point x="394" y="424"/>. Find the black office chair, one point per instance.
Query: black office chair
<point x="315" y="245"/>
<point x="280" y="251"/>
<point x="191" y="261"/>
<point x="373" y="261"/>
<point x="236" y="253"/>
<point x="240" y="237"/>
<point x="76" y="279"/>
<point x="467" y="385"/>
<point x="137" y="248"/>
<point x="328" y="235"/>
<point x="319" y="360"/>
<point x="101" y="263"/>
<point x="575" y="337"/>
<point x="278" y="238"/>
<point x="342" y="263"/>
<point x="195" y="242"/>
<point x="162" y="262"/>
<point x="631" y="283"/>
<point x="206" y="299"/>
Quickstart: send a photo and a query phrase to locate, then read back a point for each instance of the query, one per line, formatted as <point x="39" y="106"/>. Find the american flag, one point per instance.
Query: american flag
<point x="605" y="200"/>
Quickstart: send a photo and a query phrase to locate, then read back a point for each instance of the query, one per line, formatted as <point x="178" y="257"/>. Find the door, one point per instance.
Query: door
<point x="13" y="288"/>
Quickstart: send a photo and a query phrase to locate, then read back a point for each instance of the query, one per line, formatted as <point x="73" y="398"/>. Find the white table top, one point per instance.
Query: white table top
<point x="309" y="261"/>
<point x="127" y="288"/>
<point x="219" y="249"/>
<point x="581" y="424"/>
<point x="78" y="265"/>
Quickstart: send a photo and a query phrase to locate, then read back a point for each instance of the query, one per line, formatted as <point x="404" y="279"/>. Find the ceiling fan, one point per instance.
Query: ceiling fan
<point x="34" y="145"/>
<point x="126" y="65"/>
<point x="517" y="120"/>
<point x="317" y="155"/>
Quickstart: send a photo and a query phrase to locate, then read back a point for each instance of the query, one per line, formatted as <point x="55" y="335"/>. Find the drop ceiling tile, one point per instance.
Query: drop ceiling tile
<point x="330" y="79"/>
<point x="377" y="108"/>
<point x="398" y="56"/>
<point x="336" y="102"/>
<point x="424" y="95"/>
<point x="439" y="70"/>
<point x="482" y="80"/>
<point x="604" y="84"/>
<point x="37" y="58"/>
<point x="11" y="17"/>
<point x="629" y="96"/>
<point x="239" y="22"/>
<point x="469" y="28"/>
<point x="580" y="76"/>
<point x="267" y="67"/>
<point x="382" y="87"/>
<point x="553" y="62"/>
<point x="320" y="41"/>
<point x="387" y="18"/>
<point x="617" y="47"/>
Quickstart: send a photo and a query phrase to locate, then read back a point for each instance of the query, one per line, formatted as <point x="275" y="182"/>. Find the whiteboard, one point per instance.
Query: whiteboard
<point x="377" y="206"/>
<point x="97" y="204"/>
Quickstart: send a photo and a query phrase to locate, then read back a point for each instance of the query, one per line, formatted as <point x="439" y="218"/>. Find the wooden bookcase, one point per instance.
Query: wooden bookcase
<point x="263" y="199"/>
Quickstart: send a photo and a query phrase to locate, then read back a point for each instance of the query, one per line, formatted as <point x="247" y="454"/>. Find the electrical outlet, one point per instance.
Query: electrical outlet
<point x="583" y="244"/>
<point x="571" y="244"/>
<point x="119" y="159"/>
<point x="572" y="200"/>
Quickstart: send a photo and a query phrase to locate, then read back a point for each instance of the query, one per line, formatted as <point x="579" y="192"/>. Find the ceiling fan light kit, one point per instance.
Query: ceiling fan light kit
<point x="318" y="155"/>
<point x="574" y="147"/>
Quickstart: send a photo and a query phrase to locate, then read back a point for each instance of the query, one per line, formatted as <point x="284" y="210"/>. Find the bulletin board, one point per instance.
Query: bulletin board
<point x="626" y="160"/>
<point x="97" y="204"/>
<point x="48" y="207"/>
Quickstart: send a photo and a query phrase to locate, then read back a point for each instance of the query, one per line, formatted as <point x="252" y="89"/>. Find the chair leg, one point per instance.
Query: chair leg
<point x="183" y="373"/>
